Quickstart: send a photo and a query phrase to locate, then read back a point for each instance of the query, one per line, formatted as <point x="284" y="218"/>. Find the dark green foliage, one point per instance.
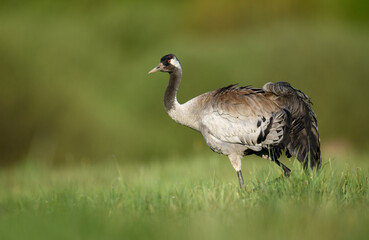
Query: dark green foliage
<point x="74" y="84"/>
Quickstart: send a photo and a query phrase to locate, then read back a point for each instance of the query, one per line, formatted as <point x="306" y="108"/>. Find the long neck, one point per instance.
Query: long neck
<point x="170" y="97"/>
<point x="185" y="114"/>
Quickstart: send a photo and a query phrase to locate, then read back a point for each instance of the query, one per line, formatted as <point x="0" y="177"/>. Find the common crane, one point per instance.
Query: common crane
<point x="239" y="121"/>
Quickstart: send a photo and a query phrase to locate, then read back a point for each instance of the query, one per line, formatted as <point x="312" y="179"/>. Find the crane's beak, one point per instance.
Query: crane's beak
<point x="156" y="69"/>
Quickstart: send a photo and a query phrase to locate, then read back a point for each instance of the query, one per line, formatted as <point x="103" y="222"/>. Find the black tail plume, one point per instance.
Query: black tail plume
<point x="303" y="139"/>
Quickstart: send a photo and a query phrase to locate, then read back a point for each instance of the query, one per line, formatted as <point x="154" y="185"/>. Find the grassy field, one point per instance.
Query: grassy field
<point x="74" y="89"/>
<point x="189" y="198"/>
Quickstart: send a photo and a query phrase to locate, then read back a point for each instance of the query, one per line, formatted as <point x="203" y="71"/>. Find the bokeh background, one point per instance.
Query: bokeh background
<point x="74" y="85"/>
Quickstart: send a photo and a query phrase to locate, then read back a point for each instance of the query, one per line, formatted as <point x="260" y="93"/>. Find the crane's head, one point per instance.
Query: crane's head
<point x="169" y="63"/>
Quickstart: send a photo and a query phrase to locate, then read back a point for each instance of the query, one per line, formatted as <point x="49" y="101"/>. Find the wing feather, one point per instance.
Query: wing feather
<point x="244" y="116"/>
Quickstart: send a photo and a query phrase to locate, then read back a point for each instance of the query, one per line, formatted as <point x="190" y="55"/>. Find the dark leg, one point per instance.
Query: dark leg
<point x="269" y="154"/>
<point x="236" y="163"/>
<point x="287" y="171"/>
<point x="240" y="179"/>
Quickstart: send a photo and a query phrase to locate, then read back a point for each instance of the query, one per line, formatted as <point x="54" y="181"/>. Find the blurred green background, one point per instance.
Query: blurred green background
<point x="74" y="85"/>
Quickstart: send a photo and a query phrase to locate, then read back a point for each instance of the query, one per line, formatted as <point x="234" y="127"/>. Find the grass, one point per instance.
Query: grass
<point x="194" y="198"/>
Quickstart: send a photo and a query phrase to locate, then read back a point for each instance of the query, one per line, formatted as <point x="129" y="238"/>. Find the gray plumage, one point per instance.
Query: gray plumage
<point x="239" y="121"/>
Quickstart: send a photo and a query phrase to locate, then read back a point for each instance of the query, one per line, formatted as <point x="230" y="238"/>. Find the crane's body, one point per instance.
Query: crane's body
<point x="239" y="121"/>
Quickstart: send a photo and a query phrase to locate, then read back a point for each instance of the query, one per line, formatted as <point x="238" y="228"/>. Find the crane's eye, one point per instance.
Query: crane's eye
<point x="169" y="60"/>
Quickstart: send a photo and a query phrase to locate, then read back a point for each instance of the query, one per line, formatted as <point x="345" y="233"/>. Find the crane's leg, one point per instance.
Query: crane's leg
<point x="287" y="171"/>
<point x="270" y="155"/>
<point x="240" y="179"/>
<point x="236" y="163"/>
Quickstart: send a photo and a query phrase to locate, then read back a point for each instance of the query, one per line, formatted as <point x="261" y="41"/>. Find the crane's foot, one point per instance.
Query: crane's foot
<point x="240" y="179"/>
<point x="276" y="180"/>
<point x="287" y="172"/>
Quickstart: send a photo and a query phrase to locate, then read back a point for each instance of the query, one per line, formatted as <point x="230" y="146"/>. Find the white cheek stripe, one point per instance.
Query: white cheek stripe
<point x="175" y="62"/>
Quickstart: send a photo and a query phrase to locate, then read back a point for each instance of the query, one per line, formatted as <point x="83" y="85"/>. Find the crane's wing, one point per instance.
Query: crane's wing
<point x="303" y="140"/>
<point x="244" y="116"/>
